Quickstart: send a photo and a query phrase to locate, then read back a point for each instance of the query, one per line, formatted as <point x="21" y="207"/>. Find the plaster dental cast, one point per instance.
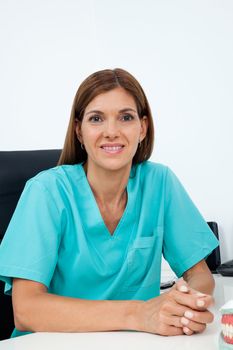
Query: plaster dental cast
<point x="226" y="336"/>
<point x="83" y="249"/>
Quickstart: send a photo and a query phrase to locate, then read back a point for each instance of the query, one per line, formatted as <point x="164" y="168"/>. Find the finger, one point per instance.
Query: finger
<point x="171" y="330"/>
<point x="173" y="321"/>
<point x="171" y="308"/>
<point x="199" y="317"/>
<point x="197" y="293"/>
<point x="204" y="303"/>
<point x="192" y="301"/>
<point x="204" y="300"/>
<point x="193" y="326"/>
<point x="187" y="331"/>
<point x="174" y="309"/>
<point x="181" y="322"/>
<point x="169" y="325"/>
<point x="182" y="286"/>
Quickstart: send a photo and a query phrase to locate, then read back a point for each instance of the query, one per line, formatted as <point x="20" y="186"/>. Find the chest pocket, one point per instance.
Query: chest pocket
<point x="141" y="263"/>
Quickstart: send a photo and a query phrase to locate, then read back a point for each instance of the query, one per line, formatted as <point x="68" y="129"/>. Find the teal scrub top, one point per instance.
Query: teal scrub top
<point x="57" y="235"/>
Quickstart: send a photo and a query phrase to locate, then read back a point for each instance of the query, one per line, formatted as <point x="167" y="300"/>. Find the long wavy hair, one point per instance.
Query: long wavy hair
<point x="95" y="84"/>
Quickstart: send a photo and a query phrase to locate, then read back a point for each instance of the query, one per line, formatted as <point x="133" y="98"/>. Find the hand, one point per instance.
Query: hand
<point x="181" y="310"/>
<point x="197" y="322"/>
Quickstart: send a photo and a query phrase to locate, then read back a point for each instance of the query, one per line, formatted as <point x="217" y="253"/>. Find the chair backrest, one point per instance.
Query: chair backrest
<point x="16" y="167"/>
<point x="214" y="259"/>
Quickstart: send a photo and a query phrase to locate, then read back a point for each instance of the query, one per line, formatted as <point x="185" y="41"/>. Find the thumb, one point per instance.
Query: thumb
<point x="182" y="286"/>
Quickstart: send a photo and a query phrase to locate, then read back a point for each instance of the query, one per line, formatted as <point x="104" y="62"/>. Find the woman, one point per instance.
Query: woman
<point x="98" y="224"/>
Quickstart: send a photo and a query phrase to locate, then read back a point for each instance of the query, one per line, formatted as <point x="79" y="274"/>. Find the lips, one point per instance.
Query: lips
<point x="112" y="148"/>
<point x="112" y="145"/>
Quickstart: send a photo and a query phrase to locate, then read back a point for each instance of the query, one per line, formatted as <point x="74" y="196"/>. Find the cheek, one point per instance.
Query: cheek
<point x="89" y="136"/>
<point x="133" y="132"/>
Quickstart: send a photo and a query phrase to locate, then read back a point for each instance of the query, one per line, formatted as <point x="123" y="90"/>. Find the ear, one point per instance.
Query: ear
<point x="144" y="127"/>
<point x="78" y="130"/>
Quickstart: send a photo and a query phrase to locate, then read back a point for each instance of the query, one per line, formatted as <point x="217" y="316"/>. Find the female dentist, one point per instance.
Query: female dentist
<point x="83" y="249"/>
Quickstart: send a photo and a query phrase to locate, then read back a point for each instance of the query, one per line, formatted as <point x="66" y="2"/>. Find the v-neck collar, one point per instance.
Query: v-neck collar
<point x="91" y="216"/>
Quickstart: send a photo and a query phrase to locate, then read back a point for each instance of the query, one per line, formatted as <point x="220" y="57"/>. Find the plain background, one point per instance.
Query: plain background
<point x="181" y="51"/>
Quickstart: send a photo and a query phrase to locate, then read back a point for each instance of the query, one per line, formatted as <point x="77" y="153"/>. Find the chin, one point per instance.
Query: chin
<point x="115" y="165"/>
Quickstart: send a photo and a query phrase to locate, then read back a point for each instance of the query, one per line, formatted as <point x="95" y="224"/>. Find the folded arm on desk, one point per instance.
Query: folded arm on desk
<point x="36" y="310"/>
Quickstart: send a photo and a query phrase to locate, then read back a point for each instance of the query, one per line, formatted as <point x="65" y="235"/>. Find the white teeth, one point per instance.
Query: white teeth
<point x="227" y="330"/>
<point x="115" y="148"/>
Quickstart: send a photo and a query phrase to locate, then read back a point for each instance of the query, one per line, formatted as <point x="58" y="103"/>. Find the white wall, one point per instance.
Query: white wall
<point x="180" y="50"/>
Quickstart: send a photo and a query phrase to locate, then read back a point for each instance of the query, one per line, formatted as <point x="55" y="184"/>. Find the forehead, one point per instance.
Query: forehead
<point x="115" y="99"/>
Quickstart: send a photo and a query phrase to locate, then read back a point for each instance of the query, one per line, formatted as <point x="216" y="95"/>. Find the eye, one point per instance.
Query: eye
<point x="95" y="119"/>
<point x="127" y="117"/>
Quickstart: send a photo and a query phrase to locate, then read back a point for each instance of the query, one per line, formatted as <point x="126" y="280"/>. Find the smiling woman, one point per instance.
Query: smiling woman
<point x="98" y="224"/>
<point x="109" y="133"/>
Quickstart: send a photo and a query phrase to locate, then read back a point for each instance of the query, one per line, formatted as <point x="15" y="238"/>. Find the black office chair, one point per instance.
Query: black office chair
<point x="214" y="259"/>
<point x="16" y="167"/>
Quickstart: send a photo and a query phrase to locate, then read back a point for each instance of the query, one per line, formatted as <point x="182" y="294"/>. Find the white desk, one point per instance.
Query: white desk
<point x="128" y="340"/>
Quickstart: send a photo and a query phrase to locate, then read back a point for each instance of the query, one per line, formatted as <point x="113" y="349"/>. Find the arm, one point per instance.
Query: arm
<point x="200" y="278"/>
<point x="37" y="310"/>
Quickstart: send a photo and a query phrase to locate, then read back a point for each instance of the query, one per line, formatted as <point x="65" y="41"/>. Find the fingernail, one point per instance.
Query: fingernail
<point x="188" y="314"/>
<point x="184" y="321"/>
<point x="186" y="329"/>
<point x="200" y="303"/>
<point x="183" y="288"/>
<point x="201" y="294"/>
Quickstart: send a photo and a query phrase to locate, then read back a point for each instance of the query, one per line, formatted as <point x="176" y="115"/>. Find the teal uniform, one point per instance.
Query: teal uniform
<point x="57" y="235"/>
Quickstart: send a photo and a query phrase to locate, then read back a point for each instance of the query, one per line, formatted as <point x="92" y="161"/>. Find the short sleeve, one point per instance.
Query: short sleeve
<point x="187" y="237"/>
<point x="30" y="245"/>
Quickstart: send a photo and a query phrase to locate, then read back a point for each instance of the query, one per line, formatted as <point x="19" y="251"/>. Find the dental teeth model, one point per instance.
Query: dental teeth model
<point x="226" y="338"/>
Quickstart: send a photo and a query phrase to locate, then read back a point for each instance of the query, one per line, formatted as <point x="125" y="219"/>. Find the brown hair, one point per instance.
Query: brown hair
<point x="97" y="83"/>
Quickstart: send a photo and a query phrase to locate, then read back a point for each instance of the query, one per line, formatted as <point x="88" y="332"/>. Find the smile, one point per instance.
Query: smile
<point x="112" y="149"/>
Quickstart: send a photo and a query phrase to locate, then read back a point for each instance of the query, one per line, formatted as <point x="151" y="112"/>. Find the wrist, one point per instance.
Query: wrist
<point x="133" y="315"/>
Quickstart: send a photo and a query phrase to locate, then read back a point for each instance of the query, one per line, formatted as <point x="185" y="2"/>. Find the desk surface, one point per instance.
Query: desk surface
<point x="129" y="339"/>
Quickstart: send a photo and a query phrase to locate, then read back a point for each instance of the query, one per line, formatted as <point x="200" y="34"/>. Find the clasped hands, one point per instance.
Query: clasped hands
<point x="181" y="310"/>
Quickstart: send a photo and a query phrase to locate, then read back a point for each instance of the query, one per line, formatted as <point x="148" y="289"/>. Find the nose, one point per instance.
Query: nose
<point x="111" y="129"/>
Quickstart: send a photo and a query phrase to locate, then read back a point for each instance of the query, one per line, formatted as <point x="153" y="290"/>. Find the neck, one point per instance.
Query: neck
<point x="109" y="187"/>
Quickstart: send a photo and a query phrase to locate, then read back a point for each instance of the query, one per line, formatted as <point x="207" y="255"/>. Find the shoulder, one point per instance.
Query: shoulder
<point x="153" y="169"/>
<point x="151" y="175"/>
<point x="57" y="176"/>
<point x="149" y="168"/>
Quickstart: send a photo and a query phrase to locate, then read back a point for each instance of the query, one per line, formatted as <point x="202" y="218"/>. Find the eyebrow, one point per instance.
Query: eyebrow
<point x="121" y="111"/>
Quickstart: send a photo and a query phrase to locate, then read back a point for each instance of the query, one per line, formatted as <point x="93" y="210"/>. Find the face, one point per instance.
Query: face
<point x="111" y="130"/>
